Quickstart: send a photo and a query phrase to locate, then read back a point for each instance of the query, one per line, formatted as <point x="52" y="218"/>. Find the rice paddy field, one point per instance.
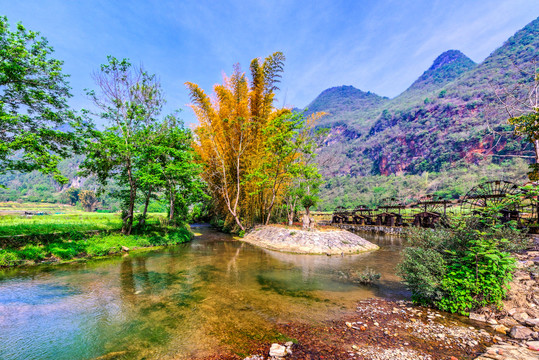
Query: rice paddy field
<point x="38" y="219"/>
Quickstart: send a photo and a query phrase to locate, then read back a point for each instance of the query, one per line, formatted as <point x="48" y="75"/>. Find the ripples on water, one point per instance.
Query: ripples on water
<point x="183" y="302"/>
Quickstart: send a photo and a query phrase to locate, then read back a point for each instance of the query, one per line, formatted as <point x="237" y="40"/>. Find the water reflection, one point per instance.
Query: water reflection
<point x="211" y="295"/>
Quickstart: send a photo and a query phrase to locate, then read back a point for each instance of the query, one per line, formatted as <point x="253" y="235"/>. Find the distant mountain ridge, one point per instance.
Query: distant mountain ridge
<point x="346" y="98"/>
<point x="448" y="117"/>
<point x="442" y="135"/>
<point x="445" y="68"/>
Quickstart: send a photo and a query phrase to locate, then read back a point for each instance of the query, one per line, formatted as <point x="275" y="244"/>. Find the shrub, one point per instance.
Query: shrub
<point x="462" y="268"/>
<point x="8" y="258"/>
<point x="102" y="248"/>
<point x="32" y="252"/>
<point x="179" y="236"/>
<point x="65" y="250"/>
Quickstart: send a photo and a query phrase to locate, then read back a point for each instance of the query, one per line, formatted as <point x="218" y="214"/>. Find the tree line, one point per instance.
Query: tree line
<point x="247" y="160"/>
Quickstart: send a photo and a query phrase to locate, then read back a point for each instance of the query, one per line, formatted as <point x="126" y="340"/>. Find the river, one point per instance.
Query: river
<point x="208" y="296"/>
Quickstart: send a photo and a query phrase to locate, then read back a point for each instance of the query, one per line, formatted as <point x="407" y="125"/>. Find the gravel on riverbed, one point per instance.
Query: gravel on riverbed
<point x="383" y="329"/>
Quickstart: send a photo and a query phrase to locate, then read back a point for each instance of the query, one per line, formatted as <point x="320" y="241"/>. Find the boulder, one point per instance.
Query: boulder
<point x="478" y="317"/>
<point x="521" y="317"/>
<point x="501" y="329"/>
<point x="508" y="321"/>
<point x="520" y="332"/>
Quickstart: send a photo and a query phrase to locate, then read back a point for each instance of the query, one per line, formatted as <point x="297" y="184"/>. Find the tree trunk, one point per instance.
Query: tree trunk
<point x="270" y="209"/>
<point x="171" y="210"/>
<point x="128" y="220"/>
<point x="291" y="218"/>
<point x="143" y="220"/>
<point x="131" y="213"/>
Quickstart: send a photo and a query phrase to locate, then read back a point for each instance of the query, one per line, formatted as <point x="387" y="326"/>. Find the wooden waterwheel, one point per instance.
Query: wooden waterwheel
<point x="363" y="215"/>
<point x="390" y="213"/>
<point x="432" y="210"/>
<point x="340" y="215"/>
<point x="495" y="194"/>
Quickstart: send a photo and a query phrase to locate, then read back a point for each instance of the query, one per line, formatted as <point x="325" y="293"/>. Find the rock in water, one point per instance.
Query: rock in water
<point x="277" y="350"/>
<point x="294" y="240"/>
<point x="477" y="317"/>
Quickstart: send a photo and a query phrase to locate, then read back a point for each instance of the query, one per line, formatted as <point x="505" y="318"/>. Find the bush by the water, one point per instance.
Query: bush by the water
<point x="461" y="268"/>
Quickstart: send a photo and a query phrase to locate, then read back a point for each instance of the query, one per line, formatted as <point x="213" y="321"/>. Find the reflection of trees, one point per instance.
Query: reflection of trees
<point x="127" y="280"/>
<point x="232" y="263"/>
<point x="142" y="274"/>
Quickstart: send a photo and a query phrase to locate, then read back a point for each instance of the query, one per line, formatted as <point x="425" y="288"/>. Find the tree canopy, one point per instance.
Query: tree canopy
<point x="141" y="153"/>
<point x="34" y="113"/>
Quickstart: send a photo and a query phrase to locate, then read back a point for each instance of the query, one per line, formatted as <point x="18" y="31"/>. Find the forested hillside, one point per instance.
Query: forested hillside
<point x="447" y="122"/>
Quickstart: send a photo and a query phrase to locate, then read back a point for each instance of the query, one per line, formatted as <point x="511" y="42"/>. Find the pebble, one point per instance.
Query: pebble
<point x="509" y="352"/>
<point x="278" y="351"/>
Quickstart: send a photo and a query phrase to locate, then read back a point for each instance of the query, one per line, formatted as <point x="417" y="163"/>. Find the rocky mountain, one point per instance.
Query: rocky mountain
<point x="449" y="117"/>
<point x="342" y="100"/>
<point x="446" y="68"/>
<point x="442" y="135"/>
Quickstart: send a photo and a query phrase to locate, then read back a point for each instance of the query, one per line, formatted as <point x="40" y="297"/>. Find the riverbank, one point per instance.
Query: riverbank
<point x="78" y="246"/>
<point x="390" y="230"/>
<point x="384" y="330"/>
<point x="316" y="242"/>
<point x="519" y="316"/>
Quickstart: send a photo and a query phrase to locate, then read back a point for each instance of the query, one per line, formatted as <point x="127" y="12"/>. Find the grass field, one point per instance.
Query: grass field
<point x="12" y="225"/>
<point x="15" y="208"/>
<point x="64" y="235"/>
<point x="57" y="218"/>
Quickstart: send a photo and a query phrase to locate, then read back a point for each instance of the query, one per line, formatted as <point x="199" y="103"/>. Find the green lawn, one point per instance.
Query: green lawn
<point x="87" y="247"/>
<point x="26" y="237"/>
<point x="12" y="225"/>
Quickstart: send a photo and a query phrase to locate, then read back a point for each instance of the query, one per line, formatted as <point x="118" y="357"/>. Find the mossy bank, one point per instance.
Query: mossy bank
<point x="80" y="246"/>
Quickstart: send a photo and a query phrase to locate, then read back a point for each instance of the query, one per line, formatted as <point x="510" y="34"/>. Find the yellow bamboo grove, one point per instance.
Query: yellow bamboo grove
<point x="232" y="141"/>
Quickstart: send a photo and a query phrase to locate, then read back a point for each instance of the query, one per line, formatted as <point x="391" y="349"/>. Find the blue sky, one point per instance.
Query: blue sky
<point x="380" y="45"/>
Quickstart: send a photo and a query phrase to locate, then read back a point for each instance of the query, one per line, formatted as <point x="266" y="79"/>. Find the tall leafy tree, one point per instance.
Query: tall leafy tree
<point x="287" y="155"/>
<point x="130" y="99"/>
<point x="167" y="165"/>
<point x="34" y="113"/>
<point x="522" y="105"/>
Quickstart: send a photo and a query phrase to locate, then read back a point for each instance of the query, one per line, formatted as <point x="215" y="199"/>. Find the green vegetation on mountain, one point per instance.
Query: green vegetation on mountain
<point x="448" y="121"/>
<point x="446" y="68"/>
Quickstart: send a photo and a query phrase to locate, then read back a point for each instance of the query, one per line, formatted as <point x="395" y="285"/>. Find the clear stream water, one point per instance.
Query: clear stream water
<point x="182" y="302"/>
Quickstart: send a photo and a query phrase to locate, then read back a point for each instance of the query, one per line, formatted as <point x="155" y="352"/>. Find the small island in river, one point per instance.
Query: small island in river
<point x="299" y="241"/>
